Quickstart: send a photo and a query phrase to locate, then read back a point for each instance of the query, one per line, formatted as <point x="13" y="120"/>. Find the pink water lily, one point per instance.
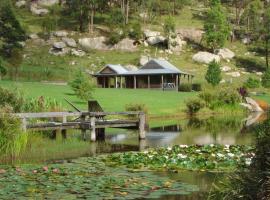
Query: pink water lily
<point x="2" y="171"/>
<point x="45" y="168"/>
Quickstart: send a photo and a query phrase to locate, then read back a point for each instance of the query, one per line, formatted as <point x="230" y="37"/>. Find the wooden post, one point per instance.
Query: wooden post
<point x="24" y="124"/>
<point x="104" y="84"/>
<point x="177" y="82"/>
<point x="148" y="82"/>
<point x="188" y="78"/>
<point x="162" y="82"/>
<point x="93" y="128"/>
<point x="83" y="131"/>
<point x="121" y="82"/>
<point x="135" y="82"/>
<point x="116" y="85"/>
<point x="142" y="121"/>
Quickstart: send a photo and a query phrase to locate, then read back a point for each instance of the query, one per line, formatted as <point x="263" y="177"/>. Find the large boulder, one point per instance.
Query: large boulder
<point x="20" y="4"/>
<point x="78" y="53"/>
<point x="225" y="53"/>
<point x="97" y="43"/>
<point x="205" y="57"/>
<point x="47" y="2"/>
<point x="147" y="33"/>
<point x="255" y="106"/>
<point x="70" y="42"/>
<point x="36" y="10"/>
<point x="59" y="52"/>
<point x="59" y="45"/>
<point x="156" y="40"/>
<point x="233" y="74"/>
<point x="191" y="34"/>
<point x="175" y="43"/>
<point x="60" y="33"/>
<point x="126" y="45"/>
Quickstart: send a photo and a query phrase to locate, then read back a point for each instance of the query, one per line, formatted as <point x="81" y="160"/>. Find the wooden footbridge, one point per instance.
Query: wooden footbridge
<point x="95" y="122"/>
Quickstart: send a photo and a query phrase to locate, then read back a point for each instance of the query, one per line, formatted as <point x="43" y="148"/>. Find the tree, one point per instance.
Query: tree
<point x="3" y="70"/>
<point x="11" y="32"/>
<point x="82" y="85"/>
<point x="217" y="28"/>
<point x="266" y="79"/>
<point x="169" y="26"/>
<point x="213" y="74"/>
<point x="266" y="35"/>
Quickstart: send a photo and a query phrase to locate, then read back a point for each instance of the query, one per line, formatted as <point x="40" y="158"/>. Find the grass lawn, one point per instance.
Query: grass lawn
<point x="158" y="102"/>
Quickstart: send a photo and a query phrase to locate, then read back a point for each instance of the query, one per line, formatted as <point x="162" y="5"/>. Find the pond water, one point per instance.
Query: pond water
<point x="47" y="147"/>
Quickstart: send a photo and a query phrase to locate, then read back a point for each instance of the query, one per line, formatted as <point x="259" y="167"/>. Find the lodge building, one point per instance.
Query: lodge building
<point x="156" y="74"/>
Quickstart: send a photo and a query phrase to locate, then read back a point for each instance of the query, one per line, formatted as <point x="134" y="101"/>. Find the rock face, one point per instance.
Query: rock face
<point x="33" y="36"/>
<point x="60" y="33"/>
<point x="59" y="52"/>
<point x="20" y="4"/>
<point x="205" y="57"/>
<point x="125" y="45"/>
<point x="175" y="43"/>
<point x="225" y="53"/>
<point x="70" y="42"/>
<point x="234" y="74"/>
<point x="36" y="10"/>
<point x="153" y="37"/>
<point x="255" y="106"/>
<point x="93" y="43"/>
<point x="59" y="45"/>
<point x="47" y="2"/>
<point x="191" y="34"/>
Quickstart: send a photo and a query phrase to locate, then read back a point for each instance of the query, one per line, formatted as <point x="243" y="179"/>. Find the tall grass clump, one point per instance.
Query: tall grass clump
<point x="12" y="139"/>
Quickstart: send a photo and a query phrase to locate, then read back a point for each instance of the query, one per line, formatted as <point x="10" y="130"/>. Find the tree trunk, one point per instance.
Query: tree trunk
<point x="81" y="19"/>
<point x="267" y="53"/>
<point x="91" y="19"/>
<point x="127" y="11"/>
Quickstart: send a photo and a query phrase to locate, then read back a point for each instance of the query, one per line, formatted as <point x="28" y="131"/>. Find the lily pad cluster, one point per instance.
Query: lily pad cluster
<point x="194" y="157"/>
<point x="85" y="178"/>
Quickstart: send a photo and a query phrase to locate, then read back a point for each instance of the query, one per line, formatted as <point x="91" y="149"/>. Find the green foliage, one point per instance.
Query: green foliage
<point x="82" y="85"/>
<point x="12" y="140"/>
<point x="213" y="74"/>
<point x="3" y="70"/>
<point x="197" y="87"/>
<point x="266" y="79"/>
<point x="216" y="27"/>
<point x="14" y="99"/>
<point x="208" y="97"/>
<point x="194" y="157"/>
<point x="42" y="104"/>
<point x="136" y="107"/>
<point x="185" y="87"/>
<point x="135" y="31"/>
<point x="229" y="96"/>
<point x="114" y="38"/>
<point x="11" y="32"/>
<point x="88" y="178"/>
<point x="194" y="106"/>
<point x="116" y="18"/>
<point x="169" y="26"/>
<point x="252" y="83"/>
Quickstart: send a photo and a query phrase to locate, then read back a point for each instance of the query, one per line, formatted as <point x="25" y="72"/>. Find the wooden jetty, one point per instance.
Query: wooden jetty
<point x="85" y="120"/>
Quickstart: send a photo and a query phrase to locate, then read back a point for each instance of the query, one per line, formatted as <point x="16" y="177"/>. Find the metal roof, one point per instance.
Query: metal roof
<point x="154" y="66"/>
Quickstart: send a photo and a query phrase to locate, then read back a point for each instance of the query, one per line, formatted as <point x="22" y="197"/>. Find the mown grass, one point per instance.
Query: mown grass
<point x="157" y="102"/>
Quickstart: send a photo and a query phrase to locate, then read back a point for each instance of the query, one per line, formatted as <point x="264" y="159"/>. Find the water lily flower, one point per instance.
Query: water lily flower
<point x="2" y="171"/>
<point x="227" y="146"/>
<point x="55" y="170"/>
<point x="198" y="150"/>
<point x="150" y="156"/>
<point x="169" y="148"/>
<point x="145" y="152"/>
<point x="45" y="168"/>
<point x="230" y="154"/>
<point x="214" y="155"/>
<point x="166" y="157"/>
<point x="35" y="171"/>
<point x="248" y="161"/>
<point x="181" y="156"/>
<point x="183" y="146"/>
<point x="220" y="155"/>
<point x="211" y="145"/>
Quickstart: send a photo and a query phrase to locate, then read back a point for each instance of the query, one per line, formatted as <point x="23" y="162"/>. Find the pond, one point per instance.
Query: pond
<point x="47" y="147"/>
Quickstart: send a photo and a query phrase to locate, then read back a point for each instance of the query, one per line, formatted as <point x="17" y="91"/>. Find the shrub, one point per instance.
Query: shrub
<point x="208" y="97"/>
<point x="213" y="74"/>
<point x="197" y="87"/>
<point x="135" y="31"/>
<point x="252" y="83"/>
<point x="136" y="107"/>
<point x="13" y="99"/>
<point x="266" y="79"/>
<point x="82" y="85"/>
<point x="229" y="96"/>
<point x="114" y="38"/>
<point x="185" y="87"/>
<point x="194" y="106"/>
<point x="42" y="104"/>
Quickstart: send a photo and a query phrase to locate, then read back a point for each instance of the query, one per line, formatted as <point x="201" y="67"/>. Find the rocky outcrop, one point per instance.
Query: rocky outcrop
<point x="70" y="42"/>
<point x="175" y="43"/>
<point x="78" y="52"/>
<point x="191" y="34"/>
<point x="59" y="45"/>
<point x="226" y="68"/>
<point x="60" y="33"/>
<point x="47" y="2"/>
<point x="20" y="4"/>
<point x="225" y="53"/>
<point x="125" y="45"/>
<point x="153" y="37"/>
<point x="36" y="10"/>
<point x="253" y="105"/>
<point x="97" y="43"/>
<point x="59" y="49"/>
<point x="205" y="57"/>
